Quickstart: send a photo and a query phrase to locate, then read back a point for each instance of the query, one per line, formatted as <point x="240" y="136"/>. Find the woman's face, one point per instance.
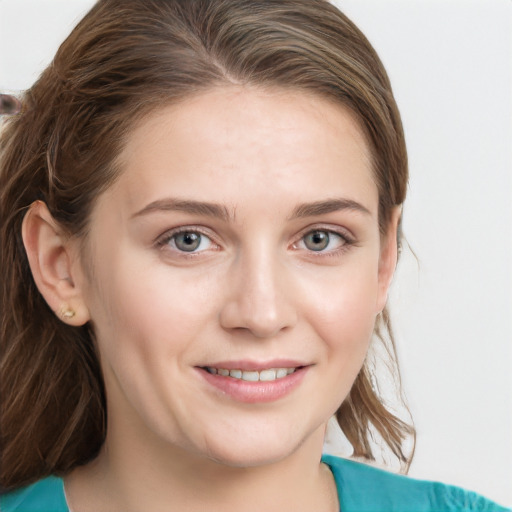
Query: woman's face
<point x="242" y="237"/>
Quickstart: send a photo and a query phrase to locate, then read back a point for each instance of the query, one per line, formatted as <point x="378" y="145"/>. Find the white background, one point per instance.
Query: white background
<point x="450" y="66"/>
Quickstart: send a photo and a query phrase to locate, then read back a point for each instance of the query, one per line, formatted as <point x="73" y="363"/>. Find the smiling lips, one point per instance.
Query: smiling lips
<point x="248" y="384"/>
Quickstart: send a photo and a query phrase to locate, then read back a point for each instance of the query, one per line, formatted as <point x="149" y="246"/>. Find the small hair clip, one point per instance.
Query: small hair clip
<point x="9" y="104"/>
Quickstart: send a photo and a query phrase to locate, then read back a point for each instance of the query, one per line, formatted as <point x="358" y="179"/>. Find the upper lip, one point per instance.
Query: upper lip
<point x="256" y="365"/>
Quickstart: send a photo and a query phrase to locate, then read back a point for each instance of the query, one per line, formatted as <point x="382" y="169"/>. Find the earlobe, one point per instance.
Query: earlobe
<point x="388" y="258"/>
<point x="52" y="263"/>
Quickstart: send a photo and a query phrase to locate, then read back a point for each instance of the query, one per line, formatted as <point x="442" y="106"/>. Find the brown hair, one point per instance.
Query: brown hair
<point x="124" y="60"/>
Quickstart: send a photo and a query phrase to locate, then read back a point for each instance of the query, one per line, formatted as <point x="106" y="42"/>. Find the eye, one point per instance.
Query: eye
<point x="188" y="241"/>
<point x="321" y="240"/>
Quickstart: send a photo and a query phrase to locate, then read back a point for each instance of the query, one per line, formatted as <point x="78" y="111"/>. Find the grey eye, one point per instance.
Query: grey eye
<point x="317" y="240"/>
<point x="187" y="241"/>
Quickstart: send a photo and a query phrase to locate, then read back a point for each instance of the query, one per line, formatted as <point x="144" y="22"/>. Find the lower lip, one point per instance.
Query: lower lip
<point x="255" y="392"/>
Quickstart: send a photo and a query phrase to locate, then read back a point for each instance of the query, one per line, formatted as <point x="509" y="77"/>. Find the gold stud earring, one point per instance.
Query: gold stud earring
<point x="67" y="313"/>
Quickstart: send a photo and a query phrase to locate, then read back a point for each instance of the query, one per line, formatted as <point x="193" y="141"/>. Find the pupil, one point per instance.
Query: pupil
<point x="188" y="241"/>
<point x="317" y="241"/>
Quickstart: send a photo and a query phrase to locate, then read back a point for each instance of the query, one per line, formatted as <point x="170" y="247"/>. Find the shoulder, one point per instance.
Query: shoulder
<point x="46" y="495"/>
<point x="363" y="487"/>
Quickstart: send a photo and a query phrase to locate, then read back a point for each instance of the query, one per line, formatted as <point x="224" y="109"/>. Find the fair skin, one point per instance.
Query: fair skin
<point x="242" y="234"/>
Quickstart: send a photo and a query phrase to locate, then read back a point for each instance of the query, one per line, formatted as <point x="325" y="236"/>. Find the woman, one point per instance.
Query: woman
<point x="200" y="211"/>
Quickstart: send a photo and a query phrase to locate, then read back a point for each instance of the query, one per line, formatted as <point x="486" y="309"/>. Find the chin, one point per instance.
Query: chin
<point x="256" y="449"/>
<point x="255" y="456"/>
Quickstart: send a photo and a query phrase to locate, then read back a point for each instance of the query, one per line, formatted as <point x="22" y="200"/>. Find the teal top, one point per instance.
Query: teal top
<point x="361" y="488"/>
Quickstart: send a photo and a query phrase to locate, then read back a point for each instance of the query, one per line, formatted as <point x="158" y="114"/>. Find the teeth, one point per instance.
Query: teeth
<point x="269" y="374"/>
<point x="281" y="372"/>
<point x="252" y="376"/>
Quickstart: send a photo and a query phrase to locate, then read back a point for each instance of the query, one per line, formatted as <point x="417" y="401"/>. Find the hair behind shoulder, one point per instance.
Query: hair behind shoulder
<point x="125" y="59"/>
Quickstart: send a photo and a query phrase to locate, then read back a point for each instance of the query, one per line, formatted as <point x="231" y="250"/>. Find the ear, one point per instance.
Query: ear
<point x="388" y="257"/>
<point x="54" y="264"/>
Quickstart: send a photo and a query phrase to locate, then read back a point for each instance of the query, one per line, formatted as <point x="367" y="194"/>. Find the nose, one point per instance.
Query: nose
<point x="260" y="297"/>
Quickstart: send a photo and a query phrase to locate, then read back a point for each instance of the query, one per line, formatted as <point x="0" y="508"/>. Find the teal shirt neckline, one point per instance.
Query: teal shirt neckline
<point x="46" y="495"/>
<point x="364" y="488"/>
<point x="361" y="488"/>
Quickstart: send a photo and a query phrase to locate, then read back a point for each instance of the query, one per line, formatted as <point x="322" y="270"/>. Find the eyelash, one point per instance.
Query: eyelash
<point x="163" y="241"/>
<point x="347" y="239"/>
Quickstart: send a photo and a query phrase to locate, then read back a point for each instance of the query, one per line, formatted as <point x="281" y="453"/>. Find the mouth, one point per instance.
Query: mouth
<point x="251" y="383"/>
<point x="266" y="375"/>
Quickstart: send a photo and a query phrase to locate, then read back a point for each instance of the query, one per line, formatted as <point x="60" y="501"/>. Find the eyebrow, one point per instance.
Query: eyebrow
<point x="222" y="212"/>
<point x="328" y="206"/>
<point x="187" y="206"/>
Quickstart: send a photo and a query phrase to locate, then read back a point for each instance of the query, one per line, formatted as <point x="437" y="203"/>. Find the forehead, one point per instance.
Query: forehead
<point x="238" y="144"/>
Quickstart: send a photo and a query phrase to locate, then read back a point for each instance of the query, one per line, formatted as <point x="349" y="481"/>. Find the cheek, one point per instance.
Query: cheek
<point x="147" y="322"/>
<point x="342" y="314"/>
<point x="342" y="306"/>
<point x="153" y="309"/>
